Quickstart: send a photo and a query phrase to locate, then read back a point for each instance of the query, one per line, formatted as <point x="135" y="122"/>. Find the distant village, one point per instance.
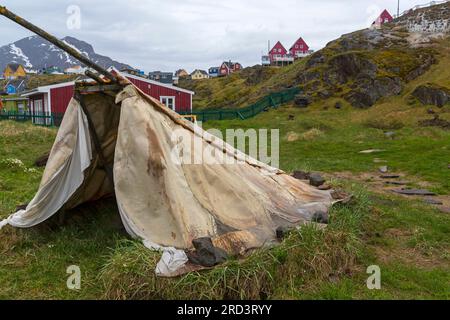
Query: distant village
<point x="16" y="96"/>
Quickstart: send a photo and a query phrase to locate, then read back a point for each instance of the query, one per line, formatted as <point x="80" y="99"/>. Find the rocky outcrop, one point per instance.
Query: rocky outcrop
<point x="348" y="66"/>
<point x="433" y="19"/>
<point x="369" y="91"/>
<point x="431" y="94"/>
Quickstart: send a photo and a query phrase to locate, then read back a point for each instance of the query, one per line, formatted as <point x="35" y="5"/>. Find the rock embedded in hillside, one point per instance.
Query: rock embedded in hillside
<point x="301" y="175"/>
<point x="42" y="160"/>
<point x="415" y="192"/>
<point x="433" y="201"/>
<point x="324" y="94"/>
<point x="291" y="117"/>
<point x="390" y="176"/>
<point x="338" y="105"/>
<point x="302" y="101"/>
<point x="431" y="94"/>
<point x="348" y="66"/>
<point x="316" y="180"/>
<point x="315" y="59"/>
<point x="435" y="122"/>
<point x="397" y="183"/>
<point x="368" y="91"/>
<point x="320" y="217"/>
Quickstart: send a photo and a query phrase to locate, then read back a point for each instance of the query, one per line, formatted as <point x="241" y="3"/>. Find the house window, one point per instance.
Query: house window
<point x="169" y="102"/>
<point x="301" y="46"/>
<point x="279" y="50"/>
<point x="21" y="108"/>
<point x="38" y="111"/>
<point x="296" y="46"/>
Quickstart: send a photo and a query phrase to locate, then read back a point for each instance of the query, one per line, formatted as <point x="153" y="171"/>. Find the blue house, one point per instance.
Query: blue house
<point x="11" y="89"/>
<point x="213" y="72"/>
<point x="15" y="86"/>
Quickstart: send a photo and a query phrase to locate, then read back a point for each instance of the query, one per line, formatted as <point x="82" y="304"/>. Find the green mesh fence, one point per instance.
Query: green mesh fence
<point x="37" y="118"/>
<point x="271" y="101"/>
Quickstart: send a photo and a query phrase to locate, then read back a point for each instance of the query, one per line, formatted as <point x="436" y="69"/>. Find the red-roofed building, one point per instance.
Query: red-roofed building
<point x="299" y="49"/>
<point x="279" y="55"/>
<point x="385" y="17"/>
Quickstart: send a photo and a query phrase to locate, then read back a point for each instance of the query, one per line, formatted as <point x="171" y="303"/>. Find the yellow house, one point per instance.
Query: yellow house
<point x="14" y="71"/>
<point x="199" y="74"/>
<point x="181" y="73"/>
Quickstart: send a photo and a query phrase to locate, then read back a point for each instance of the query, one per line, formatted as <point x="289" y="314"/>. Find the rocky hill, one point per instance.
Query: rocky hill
<point x="36" y="53"/>
<point x="359" y="68"/>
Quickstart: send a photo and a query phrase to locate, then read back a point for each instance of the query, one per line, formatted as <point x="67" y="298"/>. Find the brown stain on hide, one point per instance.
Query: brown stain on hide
<point x="155" y="165"/>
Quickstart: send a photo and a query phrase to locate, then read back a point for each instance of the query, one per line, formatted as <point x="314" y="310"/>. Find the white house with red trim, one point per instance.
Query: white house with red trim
<point x="52" y="101"/>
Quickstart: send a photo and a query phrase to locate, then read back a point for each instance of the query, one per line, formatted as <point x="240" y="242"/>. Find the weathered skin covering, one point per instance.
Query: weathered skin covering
<point x="163" y="200"/>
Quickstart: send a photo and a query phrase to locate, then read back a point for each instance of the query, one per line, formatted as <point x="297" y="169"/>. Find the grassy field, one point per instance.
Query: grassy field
<point x="408" y="239"/>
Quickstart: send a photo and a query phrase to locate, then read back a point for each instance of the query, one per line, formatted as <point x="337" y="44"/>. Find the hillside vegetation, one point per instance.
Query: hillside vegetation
<point x="360" y="68"/>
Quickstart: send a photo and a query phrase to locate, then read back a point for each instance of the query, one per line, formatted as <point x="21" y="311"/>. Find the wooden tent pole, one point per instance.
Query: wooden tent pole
<point x="60" y="44"/>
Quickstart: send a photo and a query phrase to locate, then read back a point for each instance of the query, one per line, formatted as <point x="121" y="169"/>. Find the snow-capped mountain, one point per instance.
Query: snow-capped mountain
<point x="35" y="53"/>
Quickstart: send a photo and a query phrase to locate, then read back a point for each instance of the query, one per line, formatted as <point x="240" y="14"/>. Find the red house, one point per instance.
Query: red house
<point x="385" y="17"/>
<point x="279" y="56"/>
<point x="227" y="68"/>
<point x="53" y="100"/>
<point x="299" y="49"/>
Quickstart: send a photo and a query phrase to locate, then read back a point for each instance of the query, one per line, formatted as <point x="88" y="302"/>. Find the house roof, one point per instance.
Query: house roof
<point x="165" y="85"/>
<point x="278" y="44"/>
<point x="14" y="66"/>
<point x="230" y="65"/>
<point x="16" y="83"/>
<point x="300" y="40"/>
<point x="180" y="71"/>
<point x="201" y="71"/>
<point x="46" y="89"/>
<point x="383" y="14"/>
<point x="160" y="72"/>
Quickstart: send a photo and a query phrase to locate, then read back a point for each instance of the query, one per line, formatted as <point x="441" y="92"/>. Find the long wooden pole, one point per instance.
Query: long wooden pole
<point x="60" y="44"/>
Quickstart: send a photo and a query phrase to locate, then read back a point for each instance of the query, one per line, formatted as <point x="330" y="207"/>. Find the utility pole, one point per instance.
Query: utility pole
<point x="398" y="8"/>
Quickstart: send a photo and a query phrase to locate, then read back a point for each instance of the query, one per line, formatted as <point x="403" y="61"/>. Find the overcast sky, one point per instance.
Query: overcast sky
<point x="171" y="34"/>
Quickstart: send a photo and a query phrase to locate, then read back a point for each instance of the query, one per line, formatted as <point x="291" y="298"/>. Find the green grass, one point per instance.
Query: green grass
<point x="407" y="239"/>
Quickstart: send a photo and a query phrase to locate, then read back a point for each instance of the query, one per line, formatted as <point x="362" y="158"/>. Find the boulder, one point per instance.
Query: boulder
<point x="302" y="101"/>
<point x="316" y="59"/>
<point x="320" y="217"/>
<point x="414" y="192"/>
<point x="368" y="91"/>
<point x="205" y="253"/>
<point x="348" y="66"/>
<point x="338" y="105"/>
<point x="432" y="95"/>
<point x="316" y="180"/>
<point x="301" y="175"/>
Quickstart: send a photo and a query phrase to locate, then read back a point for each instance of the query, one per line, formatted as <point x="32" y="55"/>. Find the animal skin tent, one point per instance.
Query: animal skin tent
<point x="163" y="199"/>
